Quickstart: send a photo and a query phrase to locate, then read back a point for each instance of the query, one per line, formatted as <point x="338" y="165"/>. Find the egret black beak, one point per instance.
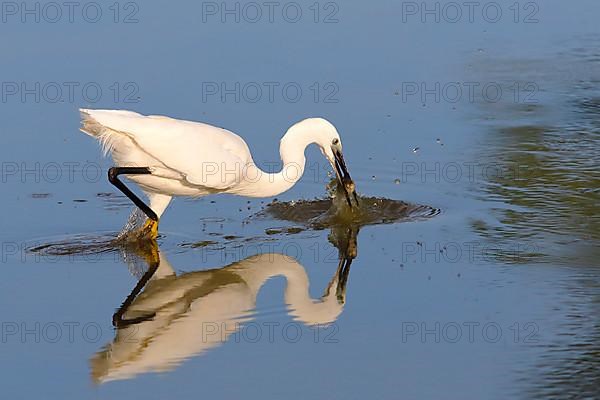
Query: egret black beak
<point x="344" y="176"/>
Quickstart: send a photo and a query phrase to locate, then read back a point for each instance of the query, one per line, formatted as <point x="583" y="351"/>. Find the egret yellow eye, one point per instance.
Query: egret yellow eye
<point x="335" y="141"/>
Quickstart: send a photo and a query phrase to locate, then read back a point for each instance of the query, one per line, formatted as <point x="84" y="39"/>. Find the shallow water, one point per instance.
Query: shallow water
<point x="473" y="271"/>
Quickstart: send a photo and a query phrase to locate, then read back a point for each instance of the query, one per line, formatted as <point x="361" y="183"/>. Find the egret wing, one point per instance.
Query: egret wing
<point x="203" y="154"/>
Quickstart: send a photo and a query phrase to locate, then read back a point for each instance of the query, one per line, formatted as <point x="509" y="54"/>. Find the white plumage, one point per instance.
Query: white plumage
<point x="186" y="158"/>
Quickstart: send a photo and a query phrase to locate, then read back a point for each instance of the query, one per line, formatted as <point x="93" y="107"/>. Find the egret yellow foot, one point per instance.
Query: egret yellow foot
<point x="149" y="230"/>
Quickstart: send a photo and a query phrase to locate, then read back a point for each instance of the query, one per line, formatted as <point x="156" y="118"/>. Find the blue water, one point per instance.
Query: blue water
<point x="496" y="296"/>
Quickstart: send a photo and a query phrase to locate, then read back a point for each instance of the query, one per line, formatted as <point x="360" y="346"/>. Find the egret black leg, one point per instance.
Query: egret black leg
<point x="113" y="177"/>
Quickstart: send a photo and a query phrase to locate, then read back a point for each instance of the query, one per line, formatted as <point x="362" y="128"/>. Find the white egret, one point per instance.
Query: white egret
<point x="167" y="157"/>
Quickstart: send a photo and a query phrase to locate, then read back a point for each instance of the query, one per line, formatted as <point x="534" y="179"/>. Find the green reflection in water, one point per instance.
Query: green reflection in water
<point x="541" y="162"/>
<point x="547" y="199"/>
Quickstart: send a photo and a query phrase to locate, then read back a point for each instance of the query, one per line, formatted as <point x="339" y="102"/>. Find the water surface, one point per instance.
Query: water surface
<point x="483" y="285"/>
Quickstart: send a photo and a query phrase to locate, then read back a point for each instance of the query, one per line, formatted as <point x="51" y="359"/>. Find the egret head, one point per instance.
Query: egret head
<point x="331" y="147"/>
<point x="322" y="133"/>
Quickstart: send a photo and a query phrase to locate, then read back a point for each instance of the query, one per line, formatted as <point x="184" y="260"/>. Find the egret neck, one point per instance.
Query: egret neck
<point x="293" y="144"/>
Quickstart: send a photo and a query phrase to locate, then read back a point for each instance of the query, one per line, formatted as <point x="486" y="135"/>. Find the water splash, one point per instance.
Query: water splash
<point x="335" y="211"/>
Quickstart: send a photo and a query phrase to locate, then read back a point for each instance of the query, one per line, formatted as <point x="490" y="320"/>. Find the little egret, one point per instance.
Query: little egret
<point x="167" y="157"/>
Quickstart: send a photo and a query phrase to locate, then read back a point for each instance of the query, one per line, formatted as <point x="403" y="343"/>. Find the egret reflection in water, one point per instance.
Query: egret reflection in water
<point x="164" y="319"/>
